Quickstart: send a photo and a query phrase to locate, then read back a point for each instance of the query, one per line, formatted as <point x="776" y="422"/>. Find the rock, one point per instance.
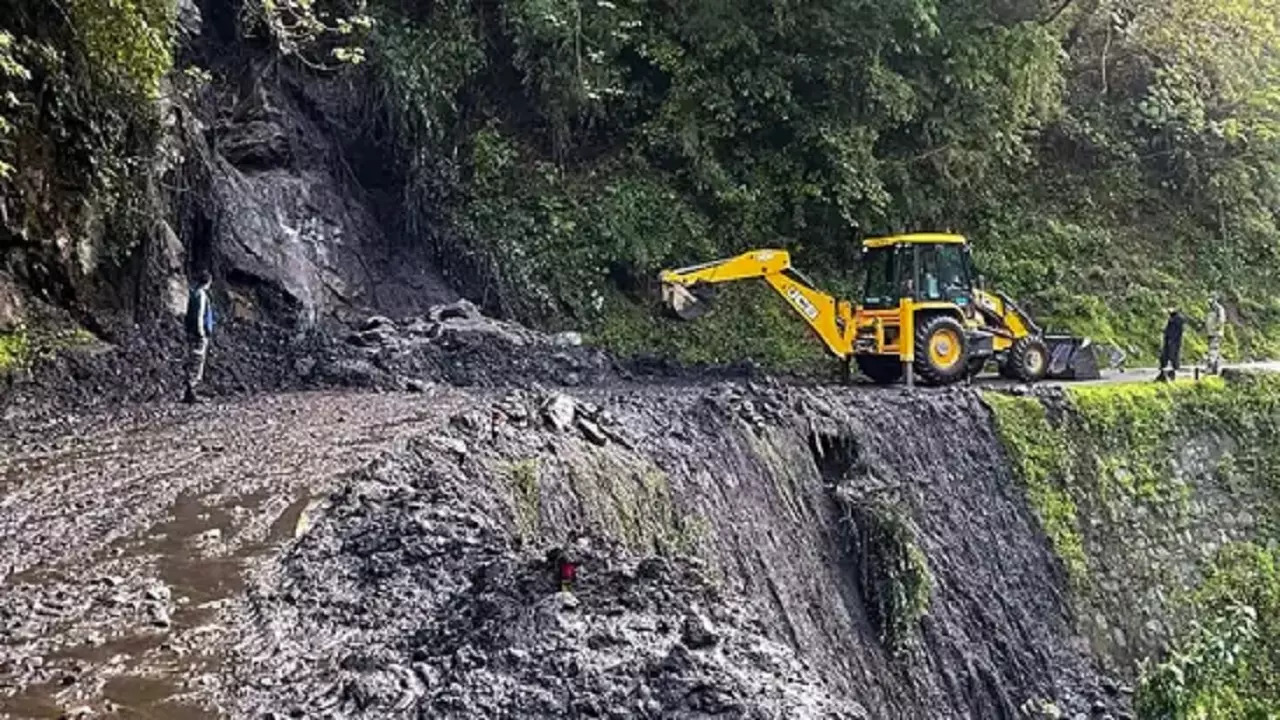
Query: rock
<point x="160" y="616"/>
<point x="159" y="592"/>
<point x="255" y="144"/>
<point x="514" y="409"/>
<point x="351" y="373"/>
<point x="567" y="339"/>
<point x="83" y="711"/>
<point x="303" y="366"/>
<point x="417" y="386"/>
<point x="452" y="445"/>
<point x="378" y="322"/>
<point x="592" y="432"/>
<point x="559" y="411"/>
<point x="190" y="21"/>
<point x="11" y="314"/>
<point x="377" y="337"/>
<point x="697" y="632"/>
<point x="169" y="264"/>
<point x="472" y="422"/>
<point x="463" y="310"/>
<point x="209" y="536"/>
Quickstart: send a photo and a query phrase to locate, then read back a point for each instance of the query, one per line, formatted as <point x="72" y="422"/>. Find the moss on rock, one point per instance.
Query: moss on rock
<point x="1139" y="487"/>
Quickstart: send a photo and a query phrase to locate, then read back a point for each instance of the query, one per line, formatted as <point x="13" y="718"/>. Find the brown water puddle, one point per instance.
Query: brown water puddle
<point x="144" y="676"/>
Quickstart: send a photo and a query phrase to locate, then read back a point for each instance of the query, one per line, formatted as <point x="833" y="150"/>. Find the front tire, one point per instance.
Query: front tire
<point x="1028" y="360"/>
<point x="942" y="351"/>
<point x="882" y="369"/>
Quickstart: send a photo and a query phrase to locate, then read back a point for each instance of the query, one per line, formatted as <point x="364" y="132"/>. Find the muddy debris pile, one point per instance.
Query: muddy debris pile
<point x="412" y="596"/>
<point x="452" y="344"/>
<point x="458" y="345"/>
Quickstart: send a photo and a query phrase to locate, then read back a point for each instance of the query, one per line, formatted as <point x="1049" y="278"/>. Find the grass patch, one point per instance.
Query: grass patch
<point x="894" y="571"/>
<point x="15" y="350"/>
<point x="526" y="495"/>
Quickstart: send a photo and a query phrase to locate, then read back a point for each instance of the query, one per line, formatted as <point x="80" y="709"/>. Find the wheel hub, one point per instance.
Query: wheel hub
<point x="944" y="349"/>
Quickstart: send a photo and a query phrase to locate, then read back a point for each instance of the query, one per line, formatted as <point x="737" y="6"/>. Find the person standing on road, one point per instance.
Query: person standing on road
<point x="1171" y="350"/>
<point x="1215" y="324"/>
<point x="199" y="327"/>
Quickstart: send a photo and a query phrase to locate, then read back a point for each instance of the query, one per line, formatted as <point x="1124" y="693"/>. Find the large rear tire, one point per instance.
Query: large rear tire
<point x="1028" y="360"/>
<point x="942" y="351"/>
<point x="882" y="369"/>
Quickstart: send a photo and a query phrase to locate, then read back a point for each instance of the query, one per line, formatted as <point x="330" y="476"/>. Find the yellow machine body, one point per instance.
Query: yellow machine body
<point x="942" y="335"/>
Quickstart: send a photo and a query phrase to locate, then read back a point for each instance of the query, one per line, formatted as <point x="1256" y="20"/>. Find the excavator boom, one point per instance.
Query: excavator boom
<point x="687" y="293"/>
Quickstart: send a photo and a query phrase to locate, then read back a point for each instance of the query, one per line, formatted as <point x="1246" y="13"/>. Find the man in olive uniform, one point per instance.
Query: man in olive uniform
<point x="1215" y="324"/>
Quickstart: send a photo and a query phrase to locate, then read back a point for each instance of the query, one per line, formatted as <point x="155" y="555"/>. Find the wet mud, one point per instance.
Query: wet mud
<point x="378" y="546"/>
<point x="123" y="538"/>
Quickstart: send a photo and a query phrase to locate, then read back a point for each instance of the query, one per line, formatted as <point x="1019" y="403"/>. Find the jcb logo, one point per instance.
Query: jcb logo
<point x="802" y="303"/>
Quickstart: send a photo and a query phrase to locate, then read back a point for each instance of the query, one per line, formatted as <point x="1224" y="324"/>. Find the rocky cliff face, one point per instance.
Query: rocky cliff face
<point x="257" y="172"/>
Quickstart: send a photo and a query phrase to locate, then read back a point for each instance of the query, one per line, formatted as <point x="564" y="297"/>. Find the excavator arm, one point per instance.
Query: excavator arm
<point x="686" y="292"/>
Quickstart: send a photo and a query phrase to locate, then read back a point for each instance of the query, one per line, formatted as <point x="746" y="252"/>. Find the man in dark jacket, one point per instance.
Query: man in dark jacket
<point x="199" y="326"/>
<point x="1171" y="351"/>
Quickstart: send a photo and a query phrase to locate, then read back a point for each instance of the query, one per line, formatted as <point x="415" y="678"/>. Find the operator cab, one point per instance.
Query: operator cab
<point x="923" y="268"/>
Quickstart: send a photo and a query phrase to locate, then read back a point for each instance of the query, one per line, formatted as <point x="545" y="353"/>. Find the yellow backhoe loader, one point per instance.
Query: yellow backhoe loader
<point x="923" y="313"/>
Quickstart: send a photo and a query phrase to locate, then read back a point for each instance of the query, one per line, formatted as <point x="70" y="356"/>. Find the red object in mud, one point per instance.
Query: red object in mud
<point x="568" y="571"/>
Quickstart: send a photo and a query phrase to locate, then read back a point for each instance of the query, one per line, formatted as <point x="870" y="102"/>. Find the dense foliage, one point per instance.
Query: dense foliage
<point x="1107" y="156"/>
<point x="79" y="125"/>
<point x="1225" y="665"/>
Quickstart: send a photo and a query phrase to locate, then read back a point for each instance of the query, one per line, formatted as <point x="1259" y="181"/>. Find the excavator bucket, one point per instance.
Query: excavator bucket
<point x="1071" y="358"/>
<point x="685" y="303"/>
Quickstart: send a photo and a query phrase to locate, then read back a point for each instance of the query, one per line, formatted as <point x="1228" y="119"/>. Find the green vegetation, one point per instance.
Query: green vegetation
<point x="1114" y="472"/>
<point x="14" y="350"/>
<point x="127" y="43"/>
<point x="634" y="505"/>
<point x="1225" y="665"/>
<point x="526" y="494"/>
<point x="1117" y="444"/>
<point x="19" y="348"/>
<point x="895" y="571"/>
<point x="1040" y="461"/>
<point x="323" y="36"/>
<point x="80" y="82"/>
<point x="1108" y="158"/>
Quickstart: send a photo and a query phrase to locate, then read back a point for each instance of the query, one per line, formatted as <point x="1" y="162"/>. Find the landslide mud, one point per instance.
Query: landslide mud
<point x="721" y="575"/>
<point x="385" y="555"/>
<point x="123" y="537"/>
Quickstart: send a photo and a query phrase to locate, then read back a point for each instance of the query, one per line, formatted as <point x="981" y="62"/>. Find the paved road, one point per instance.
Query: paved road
<point x="1131" y="375"/>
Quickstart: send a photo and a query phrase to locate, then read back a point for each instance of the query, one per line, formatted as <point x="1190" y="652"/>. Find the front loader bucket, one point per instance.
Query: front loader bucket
<point x="1071" y="358"/>
<point x="684" y="303"/>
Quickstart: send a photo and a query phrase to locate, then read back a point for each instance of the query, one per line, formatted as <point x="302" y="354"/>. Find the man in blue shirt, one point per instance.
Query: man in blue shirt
<point x="199" y="326"/>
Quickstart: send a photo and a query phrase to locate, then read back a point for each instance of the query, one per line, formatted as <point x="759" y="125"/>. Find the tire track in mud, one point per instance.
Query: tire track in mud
<point x="123" y="534"/>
